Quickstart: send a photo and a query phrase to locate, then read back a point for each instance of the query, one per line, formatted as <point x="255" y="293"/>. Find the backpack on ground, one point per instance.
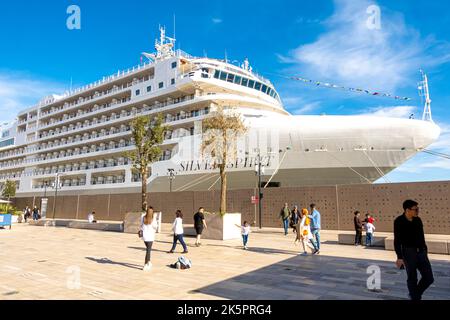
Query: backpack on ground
<point x="182" y="263"/>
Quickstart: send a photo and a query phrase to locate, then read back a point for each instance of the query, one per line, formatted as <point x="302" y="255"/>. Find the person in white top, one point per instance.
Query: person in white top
<point x="245" y="232"/>
<point x="91" y="217"/>
<point x="370" y="228"/>
<point x="147" y="232"/>
<point x="305" y="234"/>
<point x="178" y="232"/>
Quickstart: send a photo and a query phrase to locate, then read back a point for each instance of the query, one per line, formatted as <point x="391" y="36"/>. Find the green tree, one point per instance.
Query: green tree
<point x="221" y="130"/>
<point x="9" y="191"/>
<point x="148" y="136"/>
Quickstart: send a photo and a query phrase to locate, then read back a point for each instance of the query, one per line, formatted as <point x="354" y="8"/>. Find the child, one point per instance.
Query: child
<point x="370" y="228"/>
<point x="245" y="232"/>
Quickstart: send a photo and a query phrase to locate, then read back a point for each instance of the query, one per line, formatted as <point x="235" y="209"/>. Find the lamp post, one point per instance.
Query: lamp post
<point x="45" y="189"/>
<point x="171" y="177"/>
<point x="259" y="171"/>
<point x="55" y="185"/>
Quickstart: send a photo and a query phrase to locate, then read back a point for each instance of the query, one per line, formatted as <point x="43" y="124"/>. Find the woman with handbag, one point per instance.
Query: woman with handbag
<point x="147" y="232"/>
<point x="304" y="233"/>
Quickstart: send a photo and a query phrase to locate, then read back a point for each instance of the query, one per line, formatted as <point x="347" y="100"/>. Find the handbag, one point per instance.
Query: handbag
<point x="140" y="233"/>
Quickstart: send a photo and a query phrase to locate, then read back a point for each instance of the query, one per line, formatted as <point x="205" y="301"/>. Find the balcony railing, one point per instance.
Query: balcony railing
<point x="102" y="94"/>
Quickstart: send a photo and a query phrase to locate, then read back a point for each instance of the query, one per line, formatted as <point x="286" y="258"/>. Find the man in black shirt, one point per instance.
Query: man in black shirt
<point x="358" y="228"/>
<point x="411" y="250"/>
<point x="199" y="224"/>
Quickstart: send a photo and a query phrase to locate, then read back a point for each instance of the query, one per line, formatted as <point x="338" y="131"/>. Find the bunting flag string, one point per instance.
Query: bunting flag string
<point x="357" y="90"/>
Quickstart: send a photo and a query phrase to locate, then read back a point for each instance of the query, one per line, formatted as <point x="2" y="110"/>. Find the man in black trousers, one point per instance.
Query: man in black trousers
<point x="358" y="228"/>
<point x="411" y="250"/>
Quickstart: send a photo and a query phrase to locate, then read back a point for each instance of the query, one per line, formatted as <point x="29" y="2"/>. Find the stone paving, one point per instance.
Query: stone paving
<point x="44" y="263"/>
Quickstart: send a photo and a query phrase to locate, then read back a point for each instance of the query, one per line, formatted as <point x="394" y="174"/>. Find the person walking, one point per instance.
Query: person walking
<point x="411" y="249"/>
<point x="295" y="217"/>
<point x="26" y="213"/>
<point x="358" y="228"/>
<point x="245" y="232"/>
<point x="284" y="215"/>
<point x="35" y="213"/>
<point x="315" y="225"/>
<point x="304" y="233"/>
<point x="147" y="232"/>
<point x="199" y="224"/>
<point x="178" y="232"/>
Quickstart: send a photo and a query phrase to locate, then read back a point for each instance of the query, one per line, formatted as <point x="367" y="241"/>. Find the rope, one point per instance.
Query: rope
<point x="341" y="162"/>
<point x="437" y="154"/>
<point x="214" y="183"/>
<point x="276" y="170"/>
<point x="382" y="175"/>
<point x="339" y="87"/>
<point x="188" y="185"/>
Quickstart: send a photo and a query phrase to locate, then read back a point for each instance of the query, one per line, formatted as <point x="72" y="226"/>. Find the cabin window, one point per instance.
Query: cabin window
<point x="174" y="65"/>
<point x="223" y="76"/>
<point x="245" y="82"/>
<point x="216" y="74"/>
<point x="237" y="80"/>
<point x="149" y="88"/>
<point x="251" y="84"/>
<point x="258" y="86"/>
<point x="172" y="81"/>
<point x="161" y="85"/>
<point x="264" y="88"/>
<point x="230" y="77"/>
<point x="138" y="92"/>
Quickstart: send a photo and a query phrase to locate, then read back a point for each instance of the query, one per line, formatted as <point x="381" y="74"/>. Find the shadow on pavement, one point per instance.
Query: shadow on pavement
<point x="108" y="261"/>
<point x="326" y="278"/>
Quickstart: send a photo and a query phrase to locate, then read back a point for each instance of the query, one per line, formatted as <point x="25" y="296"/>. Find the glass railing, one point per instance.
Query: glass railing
<point x="121" y="115"/>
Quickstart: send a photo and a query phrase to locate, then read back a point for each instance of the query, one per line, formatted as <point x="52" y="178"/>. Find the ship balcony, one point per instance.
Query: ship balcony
<point x="99" y="109"/>
<point x="12" y="154"/>
<point x="113" y="118"/>
<point x="98" y="166"/>
<point x="11" y="176"/>
<point x="81" y="140"/>
<point x="66" y="181"/>
<point x="96" y="96"/>
<point x="108" y="178"/>
<point x="81" y="114"/>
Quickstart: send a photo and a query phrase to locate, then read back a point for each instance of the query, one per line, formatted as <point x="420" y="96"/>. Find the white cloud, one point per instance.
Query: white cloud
<point x="352" y="54"/>
<point x="392" y="112"/>
<point x="19" y="91"/>
<point x="217" y="20"/>
<point x="307" y="108"/>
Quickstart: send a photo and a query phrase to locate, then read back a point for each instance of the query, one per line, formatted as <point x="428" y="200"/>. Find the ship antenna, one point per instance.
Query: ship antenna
<point x="425" y="92"/>
<point x="174" y="29"/>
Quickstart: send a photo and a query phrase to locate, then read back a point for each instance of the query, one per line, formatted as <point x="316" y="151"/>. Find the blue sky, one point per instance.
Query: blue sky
<point x="322" y="40"/>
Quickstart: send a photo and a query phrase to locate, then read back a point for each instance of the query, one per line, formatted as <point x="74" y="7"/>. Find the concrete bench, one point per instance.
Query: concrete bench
<point x="49" y="223"/>
<point x="114" y="227"/>
<point x="437" y="246"/>
<point x="349" y="238"/>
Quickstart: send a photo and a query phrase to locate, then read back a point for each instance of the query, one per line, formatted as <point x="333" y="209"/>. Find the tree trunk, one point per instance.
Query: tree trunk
<point x="7" y="206"/>
<point x="223" y="190"/>
<point x="144" y="172"/>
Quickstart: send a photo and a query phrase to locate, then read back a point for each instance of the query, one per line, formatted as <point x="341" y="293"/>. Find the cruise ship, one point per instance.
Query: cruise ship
<point x="79" y="140"/>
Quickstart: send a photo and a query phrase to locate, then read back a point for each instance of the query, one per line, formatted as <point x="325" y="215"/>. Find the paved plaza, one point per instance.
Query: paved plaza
<point x="63" y="263"/>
